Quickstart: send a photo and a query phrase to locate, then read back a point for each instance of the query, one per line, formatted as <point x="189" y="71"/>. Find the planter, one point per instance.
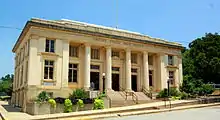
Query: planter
<point x="38" y="108"/>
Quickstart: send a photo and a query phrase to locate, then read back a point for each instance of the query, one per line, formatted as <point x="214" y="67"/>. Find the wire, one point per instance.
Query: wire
<point x="8" y="27"/>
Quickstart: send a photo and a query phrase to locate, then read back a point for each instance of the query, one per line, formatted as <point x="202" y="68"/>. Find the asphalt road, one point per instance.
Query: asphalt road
<point x="207" y="113"/>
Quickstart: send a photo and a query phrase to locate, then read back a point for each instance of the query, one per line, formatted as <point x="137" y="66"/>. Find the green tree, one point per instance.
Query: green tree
<point x="6" y="84"/>
<point x="202" y="60"/>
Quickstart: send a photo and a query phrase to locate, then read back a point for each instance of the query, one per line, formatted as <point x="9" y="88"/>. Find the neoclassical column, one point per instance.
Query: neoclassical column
<point x="128" y="70"/>
<point x="145" y="70"/>
<point x="108" y="81"/>
<point x="87" y="67"/>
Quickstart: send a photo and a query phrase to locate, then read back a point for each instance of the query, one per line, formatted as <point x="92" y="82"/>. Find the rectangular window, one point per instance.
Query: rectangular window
<point x="26" y="77"/>
<point x="50" y="46"/>
<point x="115" y="54"/>
<point x="95" y="53"/>
<point x="94" y="67"/>
<point x="48" y="69"/>
<point x="133" y="70"/>
<point x="170" y="60"/>
<point x="73" y="70"/>
<point x="21" y="82"/>
<point x="171" y="77"/>
<point x="150" y="60"/>
<point x="73" y="51"/>
<point x="133" y="58"/>
<point x="115" y="68"/>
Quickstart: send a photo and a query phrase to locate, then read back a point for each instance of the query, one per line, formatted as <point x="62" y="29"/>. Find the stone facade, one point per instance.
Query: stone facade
<point x="59" y="56"/>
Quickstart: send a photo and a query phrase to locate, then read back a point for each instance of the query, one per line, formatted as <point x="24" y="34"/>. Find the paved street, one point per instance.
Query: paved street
<point x="208" y="113"/>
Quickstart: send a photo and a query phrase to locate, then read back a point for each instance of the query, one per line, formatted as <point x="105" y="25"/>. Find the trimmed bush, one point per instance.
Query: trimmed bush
<point x="52" y="103"/>
<point x="68" y="106"/>
<point x="98" y="104"/>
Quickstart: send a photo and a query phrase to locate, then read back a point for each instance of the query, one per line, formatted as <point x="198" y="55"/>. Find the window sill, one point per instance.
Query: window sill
<point x="48" y="53"/>
<point x="171" y="66"/>
<point x="48" y="80"/>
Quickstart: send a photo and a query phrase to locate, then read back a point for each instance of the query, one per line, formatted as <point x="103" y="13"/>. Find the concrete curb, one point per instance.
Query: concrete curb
<point x="144" y="112"/>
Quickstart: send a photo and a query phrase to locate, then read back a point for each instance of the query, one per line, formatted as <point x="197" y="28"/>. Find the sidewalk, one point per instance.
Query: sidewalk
<point x="13" y="114"/>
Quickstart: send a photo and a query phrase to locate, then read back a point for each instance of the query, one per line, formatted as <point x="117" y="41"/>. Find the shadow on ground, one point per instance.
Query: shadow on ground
<point x="10" y="108"/>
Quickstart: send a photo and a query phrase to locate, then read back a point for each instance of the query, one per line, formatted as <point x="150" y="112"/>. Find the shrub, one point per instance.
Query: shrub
<point x="164" y="93"/>
<point x="184" y="95"/>
<point x="98" y="104"/>
<point x="79" y="94"/>
<point x="79" y="104"/>
<point x="43" y="97"/>
<point x="68" y="106"/>
<point x="100" y="96"/>
<point x="52" y="102"/>
<point x="208" y="89"/>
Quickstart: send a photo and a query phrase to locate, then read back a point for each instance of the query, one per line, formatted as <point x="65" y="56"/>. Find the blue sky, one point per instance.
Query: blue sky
<point x="173" y="20"/>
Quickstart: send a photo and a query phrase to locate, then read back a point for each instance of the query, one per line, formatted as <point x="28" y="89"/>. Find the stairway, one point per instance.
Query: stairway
<point x="118" y="98"/>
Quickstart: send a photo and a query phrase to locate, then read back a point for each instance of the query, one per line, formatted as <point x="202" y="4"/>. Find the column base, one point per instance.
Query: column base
<point x="129" y="90"/>
<point x="86" y="88"/>
<point x="109" y="90"/>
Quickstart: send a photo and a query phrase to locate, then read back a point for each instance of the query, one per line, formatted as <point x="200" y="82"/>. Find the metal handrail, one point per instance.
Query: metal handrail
<point x="147" y="92"/>
<point x="134" y="97"/>
<point x="124" y="92"/>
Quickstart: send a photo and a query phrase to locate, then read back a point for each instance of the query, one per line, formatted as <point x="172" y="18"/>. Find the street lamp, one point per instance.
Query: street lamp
<point x="103" y="78"/>
<point x="168" y="87"/>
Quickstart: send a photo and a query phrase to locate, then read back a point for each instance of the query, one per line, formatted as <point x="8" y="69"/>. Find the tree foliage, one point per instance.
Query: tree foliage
<point x="6" y="84"/>
<point x="202" y="59"/>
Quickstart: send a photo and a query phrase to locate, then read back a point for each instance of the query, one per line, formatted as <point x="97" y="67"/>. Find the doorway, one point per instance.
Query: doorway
<point x="115" y="82"/>
<point x="94" y="79"/>
<point x="134" y="82"/>
<point x="150" y="78"/>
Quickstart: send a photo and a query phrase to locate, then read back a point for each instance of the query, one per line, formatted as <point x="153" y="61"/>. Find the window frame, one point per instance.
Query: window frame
<point x="134" y="58"/>
<point x="94" y="52"/>
<point x="48" y="68"/>
<point x="72" y="70"/>
<point x="49" y="49"/>
<point x="170" y="60"/>
<point x="171" y="77"/>
<point x="73" y="53"/>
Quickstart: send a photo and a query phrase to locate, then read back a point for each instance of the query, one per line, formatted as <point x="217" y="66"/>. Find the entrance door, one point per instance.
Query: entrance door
<point x="150" y="78"/>
<point x="94" y="80"/>
<point x="134" y="82"/>
<point x="115" y="82"/>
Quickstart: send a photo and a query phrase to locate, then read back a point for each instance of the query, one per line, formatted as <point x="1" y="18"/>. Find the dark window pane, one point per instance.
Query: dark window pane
<point x="47" y="45"/>
<point x="50" y="73"/>
<point x="70" y="65"/>
<point x="133" y="70"/>
<point x="51" y="62"/>
<point x="115" y="68"/>
<point x="75" y="76"/>
<point x="70" y="75"/>
<point x="96" y="67"/>
<point x="45" y="72"/>
<point x="52" y="46"/>
<point x="46" y="62"/>
<point x="74" y="65"/>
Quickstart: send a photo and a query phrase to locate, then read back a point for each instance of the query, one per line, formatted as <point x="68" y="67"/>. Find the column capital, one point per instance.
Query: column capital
<point x="145" y="52"/>
<point x="108" y="47"/>
<point x="87" y="44"/>
<point x="127" y="49"/>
